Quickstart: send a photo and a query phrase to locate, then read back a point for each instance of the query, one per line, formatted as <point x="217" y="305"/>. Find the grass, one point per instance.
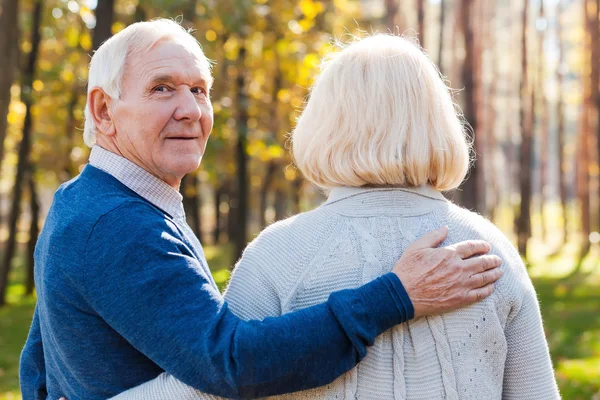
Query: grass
<point x="570" y="306"/>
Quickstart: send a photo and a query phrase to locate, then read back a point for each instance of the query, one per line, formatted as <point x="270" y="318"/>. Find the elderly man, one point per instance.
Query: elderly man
<point x="124" y="291"/>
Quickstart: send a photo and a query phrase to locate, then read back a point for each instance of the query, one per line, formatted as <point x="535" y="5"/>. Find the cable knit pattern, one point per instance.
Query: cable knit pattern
<point x="494" y="349"/>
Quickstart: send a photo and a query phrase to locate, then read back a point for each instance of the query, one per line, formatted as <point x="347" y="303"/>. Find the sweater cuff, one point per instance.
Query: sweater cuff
<point x="371" y="309"/>
<point x="388" y="301"/>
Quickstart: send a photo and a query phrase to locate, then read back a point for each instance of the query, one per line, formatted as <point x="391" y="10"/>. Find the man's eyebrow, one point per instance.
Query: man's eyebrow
<point x="160" y="79"/>
<point x="164" y="78"/>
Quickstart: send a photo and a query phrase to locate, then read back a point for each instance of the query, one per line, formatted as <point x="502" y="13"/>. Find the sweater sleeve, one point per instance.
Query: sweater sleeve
<point x="528" y="372"/>
<point x="32" y="369"/>
<point x="144" y="281"/>
<point x="250" y="295"/>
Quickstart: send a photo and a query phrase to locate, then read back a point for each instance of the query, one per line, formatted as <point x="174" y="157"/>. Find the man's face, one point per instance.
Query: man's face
<point x="164" y="116"/>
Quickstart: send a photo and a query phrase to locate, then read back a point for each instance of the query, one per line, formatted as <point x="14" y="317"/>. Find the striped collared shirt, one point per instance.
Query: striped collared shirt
<point x="139" y="180"/>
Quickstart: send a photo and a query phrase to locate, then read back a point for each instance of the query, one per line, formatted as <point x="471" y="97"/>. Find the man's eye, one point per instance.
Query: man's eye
<point x="199" y="90"/>
<point x="161" y="88"/>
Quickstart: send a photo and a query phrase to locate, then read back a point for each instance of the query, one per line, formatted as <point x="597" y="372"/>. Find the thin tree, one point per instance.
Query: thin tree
<point x="595" y="64"/>
<point x="491" y="108"/>
<point x="544" y="117"/>
<point x="440" y="59"/>
<point x="471" y="197"/>
<point x="192" y="202"/>
<point x="421" y="21"/>
<point x="34" y="228"/>
<point x="105" y="14"/>
<point x="583" y="158"/>
<point x="241" y="154"/>
<point x="272" y="165"/>
<point x="560" y="121"/>
<point x="24" y="150"/>
<point x="525" y="116"/>
<point x="391" y="10"/>
<point x="9" y="33"/>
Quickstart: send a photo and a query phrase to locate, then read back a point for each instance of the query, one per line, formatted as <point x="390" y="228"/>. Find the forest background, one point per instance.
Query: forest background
<point x="526" y="74"/>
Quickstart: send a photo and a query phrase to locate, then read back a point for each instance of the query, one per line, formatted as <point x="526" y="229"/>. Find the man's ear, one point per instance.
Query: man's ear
<point x="99" y="103"/>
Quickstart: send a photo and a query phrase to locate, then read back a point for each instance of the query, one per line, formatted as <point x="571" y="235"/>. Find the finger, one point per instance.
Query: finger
<point x="482" y="263"/>
<point x="430" y="240"/>
<point x="471" y="248"/>
<point x="479" y="294"/>
<point x="485" y="278"/>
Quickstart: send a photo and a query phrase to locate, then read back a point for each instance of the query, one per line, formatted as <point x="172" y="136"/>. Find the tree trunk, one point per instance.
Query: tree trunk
<point x="543" y="115"/>
<point x="440" y="59"/>
<point x="264" y="191"/>
<point x="524" y="217"/>
<point x="9" y="39"/>
<point x="560" y="116"/>
<point x="232" y="215"/>
<point x="491" y="110"/>
<point x="189" y="13"/>
<point x="191" y="202"/>
<point x="217" y="205"/>
<point x="279" y="204"/>
<point x="421" y="21"/>
<point x="242" y="155"/>
<point x="595" y="63"/>
<point x="389" y="18"/>
<point x="583" y="159"/>
<point x="104" y="21"/>
<point x="471" y="198"/>
<point x="296" y="188"/>
<point x="140" y="14"/>
<point x="24" y="150"/>
<point x="70" y="170"/>
<point x="34" y="229"/>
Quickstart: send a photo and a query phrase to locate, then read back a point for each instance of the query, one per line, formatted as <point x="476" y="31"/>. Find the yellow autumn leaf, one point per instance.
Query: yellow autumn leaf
<point x="13" y="118"/>
<point x="117" y="27"/>
<point x="275" y="151"/>
<point x="38" y="85"/>
<point x="66" y="76"/>
<point x="210" y="35"/>
<point x="284" y="95"/>
<point x="310" y="8"/>
<point x="86" y="41"/>
<point x="289" y="173"/>
<point x="45" y="65"/>
<point x="72" y="37"/>
<point x="231" y="48"/>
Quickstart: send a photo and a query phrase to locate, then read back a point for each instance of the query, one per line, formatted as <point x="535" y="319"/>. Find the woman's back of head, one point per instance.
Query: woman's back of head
<point x="380" y="114"/>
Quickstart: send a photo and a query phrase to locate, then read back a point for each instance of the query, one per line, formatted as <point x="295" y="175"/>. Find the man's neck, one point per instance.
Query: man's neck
<point x="109" y="144"/>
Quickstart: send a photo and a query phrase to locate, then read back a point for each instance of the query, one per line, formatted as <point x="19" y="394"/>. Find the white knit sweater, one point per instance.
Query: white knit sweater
<point x="494" y="349"/>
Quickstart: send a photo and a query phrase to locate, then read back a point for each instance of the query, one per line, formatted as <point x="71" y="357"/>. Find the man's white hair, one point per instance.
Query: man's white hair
<point x="109" y="61"/>
<point x="380" y="114"/>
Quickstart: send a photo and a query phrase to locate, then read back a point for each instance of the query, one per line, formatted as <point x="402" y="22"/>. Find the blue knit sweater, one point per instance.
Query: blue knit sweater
<point x="123" y="296"/>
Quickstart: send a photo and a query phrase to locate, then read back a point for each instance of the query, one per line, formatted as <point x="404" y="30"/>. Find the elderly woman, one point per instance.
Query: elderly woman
<point x="381" y="134"/>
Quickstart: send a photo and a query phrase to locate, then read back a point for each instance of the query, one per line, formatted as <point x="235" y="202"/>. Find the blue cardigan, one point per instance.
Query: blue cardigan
<point x="123" y="296"/>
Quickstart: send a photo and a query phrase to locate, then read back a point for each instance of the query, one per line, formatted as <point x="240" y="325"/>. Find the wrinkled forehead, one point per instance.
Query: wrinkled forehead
<point x="174" y="55"/>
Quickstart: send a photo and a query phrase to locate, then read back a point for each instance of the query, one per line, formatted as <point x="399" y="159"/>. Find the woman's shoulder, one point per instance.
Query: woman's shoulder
<point x="287" y="247"/>
<point x="465" y="225"/>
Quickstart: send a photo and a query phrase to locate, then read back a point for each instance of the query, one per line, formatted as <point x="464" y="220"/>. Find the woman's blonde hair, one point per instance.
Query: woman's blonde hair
<point x="380" y="114"/>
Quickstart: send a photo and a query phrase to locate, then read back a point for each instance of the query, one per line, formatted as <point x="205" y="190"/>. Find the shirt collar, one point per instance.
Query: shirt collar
<point x="370" y="201"/>
<point x="139" y="180"/>
<point x="340" y="193"/>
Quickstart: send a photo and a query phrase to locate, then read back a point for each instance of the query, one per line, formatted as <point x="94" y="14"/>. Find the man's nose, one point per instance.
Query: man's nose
<point x="187" y="107"/>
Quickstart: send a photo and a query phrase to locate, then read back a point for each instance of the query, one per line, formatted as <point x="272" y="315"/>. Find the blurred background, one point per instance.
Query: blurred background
<point x="525" y="72"/>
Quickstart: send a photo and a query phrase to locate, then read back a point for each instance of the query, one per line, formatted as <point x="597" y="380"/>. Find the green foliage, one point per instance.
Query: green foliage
<point x="14" y="325"/>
